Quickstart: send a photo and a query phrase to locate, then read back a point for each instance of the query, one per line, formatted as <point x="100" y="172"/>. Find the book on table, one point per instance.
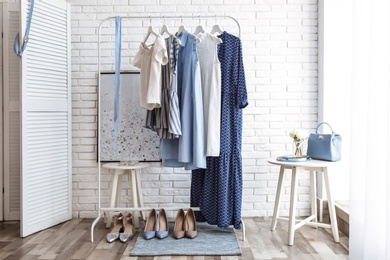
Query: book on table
<point x="293" y="158"/>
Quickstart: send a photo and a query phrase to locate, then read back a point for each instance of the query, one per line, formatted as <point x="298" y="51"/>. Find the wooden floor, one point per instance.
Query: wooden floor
<point x="71" y="240"/>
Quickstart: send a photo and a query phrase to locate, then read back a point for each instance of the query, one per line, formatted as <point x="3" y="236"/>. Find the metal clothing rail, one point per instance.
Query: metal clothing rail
<point x="100" y="209"/>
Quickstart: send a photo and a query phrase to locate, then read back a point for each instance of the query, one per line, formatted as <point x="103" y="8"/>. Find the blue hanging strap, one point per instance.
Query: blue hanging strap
<point x="19" y="51"/>
<point x="118" y="43"/>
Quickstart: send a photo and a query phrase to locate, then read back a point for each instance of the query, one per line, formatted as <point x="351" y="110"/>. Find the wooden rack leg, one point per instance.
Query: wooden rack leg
<point x="94" y="224"/>
<point x="243" y="229"/>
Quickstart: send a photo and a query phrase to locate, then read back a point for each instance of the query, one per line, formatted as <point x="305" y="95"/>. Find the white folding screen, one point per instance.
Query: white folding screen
<point x="1" y="119"/>
<point x="11" y="119"/>
<point x="46" y="117"/>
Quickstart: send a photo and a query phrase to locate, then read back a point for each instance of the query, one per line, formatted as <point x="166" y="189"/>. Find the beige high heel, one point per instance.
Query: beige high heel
<point x="179" y="228"/>
<point x="190" y="221"/>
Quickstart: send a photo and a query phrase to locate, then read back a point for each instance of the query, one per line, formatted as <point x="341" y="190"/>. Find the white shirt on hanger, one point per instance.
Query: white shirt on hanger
<point x="210" y="72"/>
<point x="149" y="60"/>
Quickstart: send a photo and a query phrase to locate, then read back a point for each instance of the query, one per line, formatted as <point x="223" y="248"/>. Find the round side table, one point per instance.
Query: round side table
<point x="312" y="166"/>
<point x="116" y="188"/>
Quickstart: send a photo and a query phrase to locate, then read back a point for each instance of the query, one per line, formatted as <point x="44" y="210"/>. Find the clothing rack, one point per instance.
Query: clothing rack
<point x="100" y="209"/>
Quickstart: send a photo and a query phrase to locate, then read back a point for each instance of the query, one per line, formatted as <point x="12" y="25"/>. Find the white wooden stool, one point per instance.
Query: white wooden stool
<point x="116" y="188"/>
<point x="313" y="166"/>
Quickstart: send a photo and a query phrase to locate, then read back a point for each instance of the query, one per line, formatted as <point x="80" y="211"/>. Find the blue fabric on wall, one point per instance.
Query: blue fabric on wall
<point x="20" y="49"/>
<point x="118" y="47"/>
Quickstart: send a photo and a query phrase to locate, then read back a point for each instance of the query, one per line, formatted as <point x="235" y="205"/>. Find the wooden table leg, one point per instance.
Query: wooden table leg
<point x="278" y="198"/>
<point x="119" y="188"/>
<point x="139" y="191"/>
<point x="291" y="221"/>
<point x="332" y="210"/>
<point x="135" y="198"/>
<point x="313" y="194"/>
<point x="114" y="190"/>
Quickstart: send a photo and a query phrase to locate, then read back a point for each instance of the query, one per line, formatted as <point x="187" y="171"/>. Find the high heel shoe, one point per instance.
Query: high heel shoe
<point x="162" y="225"/>
<point x="150" y="226"/>
<point x="179" y="228"/>
<point x="128" y="228"/>
<point x="118" y="226"/>
<point x="190" y="223"/>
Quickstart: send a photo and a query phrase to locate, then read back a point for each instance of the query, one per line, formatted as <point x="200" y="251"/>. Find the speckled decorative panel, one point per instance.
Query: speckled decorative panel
<point x="135" y="142"/>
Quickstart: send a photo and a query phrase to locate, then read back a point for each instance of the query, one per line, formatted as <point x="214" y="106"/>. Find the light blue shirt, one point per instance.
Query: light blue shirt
<point x="190" y="149"/>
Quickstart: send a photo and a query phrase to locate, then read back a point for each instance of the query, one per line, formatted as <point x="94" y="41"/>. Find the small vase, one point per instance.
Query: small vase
<point x="125" y="158"/>
<point x="128" y="163"/>
<point x="298" y="147"/>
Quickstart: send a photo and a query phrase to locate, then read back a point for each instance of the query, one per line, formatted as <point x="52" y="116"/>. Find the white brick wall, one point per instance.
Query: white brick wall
<point x="280" y="58"/>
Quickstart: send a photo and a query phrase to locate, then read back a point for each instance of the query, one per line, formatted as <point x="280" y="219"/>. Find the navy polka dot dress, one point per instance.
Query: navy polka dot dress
<point x="217" y="190"/>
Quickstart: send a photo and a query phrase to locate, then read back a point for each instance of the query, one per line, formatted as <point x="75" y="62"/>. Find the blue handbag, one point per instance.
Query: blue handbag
<point x="325" y="147"/>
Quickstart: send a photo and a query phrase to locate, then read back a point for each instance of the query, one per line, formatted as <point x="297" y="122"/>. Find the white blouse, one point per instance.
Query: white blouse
<point x="149" y="60"/>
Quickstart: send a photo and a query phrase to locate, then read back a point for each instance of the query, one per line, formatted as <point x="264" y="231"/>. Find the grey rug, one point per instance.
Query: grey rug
<point x="211" y="240"/>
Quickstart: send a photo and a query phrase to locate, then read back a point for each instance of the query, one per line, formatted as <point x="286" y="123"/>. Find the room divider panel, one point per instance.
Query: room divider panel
<point x="46" y="113"/>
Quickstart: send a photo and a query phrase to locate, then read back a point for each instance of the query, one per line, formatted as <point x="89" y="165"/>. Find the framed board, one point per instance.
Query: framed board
<point x="135" y="142"/>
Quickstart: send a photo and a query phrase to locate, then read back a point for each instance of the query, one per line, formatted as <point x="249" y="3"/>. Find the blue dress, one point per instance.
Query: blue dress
<point x="217" y="190"/>
<point x="190" y="149"/>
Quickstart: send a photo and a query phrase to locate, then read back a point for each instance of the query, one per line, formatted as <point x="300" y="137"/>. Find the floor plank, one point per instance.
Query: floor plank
<point x="71" y="240"/>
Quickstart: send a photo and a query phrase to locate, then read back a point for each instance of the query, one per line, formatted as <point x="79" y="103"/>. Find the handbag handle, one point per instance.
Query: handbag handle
<point x="325" y="124"/>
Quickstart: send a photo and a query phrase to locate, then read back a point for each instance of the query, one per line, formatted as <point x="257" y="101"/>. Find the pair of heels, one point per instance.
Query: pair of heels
<point x="123" y="228"/>
<point x="185" y="225"/>
<point x="156" y="225"/>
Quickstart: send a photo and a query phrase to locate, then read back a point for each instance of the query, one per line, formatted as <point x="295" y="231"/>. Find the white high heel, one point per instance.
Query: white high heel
<point x="128" y="228"/>
<point x="118" y="227"/>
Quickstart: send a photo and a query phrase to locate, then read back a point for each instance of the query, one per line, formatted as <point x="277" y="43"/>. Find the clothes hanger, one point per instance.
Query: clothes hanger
<point x="150" y="31"/>
<point x="216" y="29"/>
<point x="181" y="27"/>
<point x="164" y="29"/>
<point x="199" y="28"/>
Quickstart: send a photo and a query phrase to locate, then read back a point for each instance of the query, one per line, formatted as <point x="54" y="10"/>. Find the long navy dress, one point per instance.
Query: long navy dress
<point x="217" y="190"/>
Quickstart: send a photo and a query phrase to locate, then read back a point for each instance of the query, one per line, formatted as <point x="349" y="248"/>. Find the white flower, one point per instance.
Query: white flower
<point x="299" y="135"/>
<point x="293" y="133"/>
